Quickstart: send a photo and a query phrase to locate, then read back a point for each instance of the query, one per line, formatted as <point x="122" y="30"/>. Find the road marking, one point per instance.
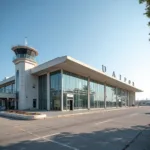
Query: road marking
<point x="133" y="115"/>
<point x="98" y="123"/>
<point x="65" y="145"/>
<point x="49" y="135"/>
<point x="109" y="120"/>
<point x="45" y="138"/>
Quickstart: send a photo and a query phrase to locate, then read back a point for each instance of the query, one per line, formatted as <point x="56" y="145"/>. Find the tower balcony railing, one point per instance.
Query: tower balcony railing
<point x="7" y="95"/>
<point x="8" y="92"/>
<point x="24" y="56"/>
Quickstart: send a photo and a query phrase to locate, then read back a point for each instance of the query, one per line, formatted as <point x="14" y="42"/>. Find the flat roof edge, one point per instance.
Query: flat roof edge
<point x="98" y="71"/>
<point x="7" y="80"/>
<point x="47" y="64"/>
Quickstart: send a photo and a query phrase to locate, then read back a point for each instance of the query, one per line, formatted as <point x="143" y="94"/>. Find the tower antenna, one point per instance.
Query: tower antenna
<point x="25" y="41"/>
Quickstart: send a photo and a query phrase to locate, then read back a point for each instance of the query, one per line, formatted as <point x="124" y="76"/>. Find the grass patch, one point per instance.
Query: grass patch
<point x="22" y="112"/>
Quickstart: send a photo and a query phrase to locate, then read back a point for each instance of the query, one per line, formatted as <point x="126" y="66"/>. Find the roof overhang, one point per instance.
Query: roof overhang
<point x="7" y="81"/>
<point x="70" y="64"/>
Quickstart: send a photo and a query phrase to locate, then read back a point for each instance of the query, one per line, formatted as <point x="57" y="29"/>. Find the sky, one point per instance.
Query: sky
<point x="113" y="33"/>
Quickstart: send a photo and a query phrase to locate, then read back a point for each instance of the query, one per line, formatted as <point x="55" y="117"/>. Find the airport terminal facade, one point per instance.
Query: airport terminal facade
<point x="61" y="84"/>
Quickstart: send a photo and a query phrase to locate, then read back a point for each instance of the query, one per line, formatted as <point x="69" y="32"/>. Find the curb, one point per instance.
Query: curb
<point x="90" y="112"/>
<point x="22" y="117"/>
<point x="44" y="116"/>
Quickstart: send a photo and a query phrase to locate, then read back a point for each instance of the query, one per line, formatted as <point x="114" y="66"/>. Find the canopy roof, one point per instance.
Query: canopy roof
<point x="70" y="64"/>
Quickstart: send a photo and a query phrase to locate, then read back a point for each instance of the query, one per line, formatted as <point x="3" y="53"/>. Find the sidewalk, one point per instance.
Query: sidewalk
<point x="142" y="142"/>
<point x="57" y="114"/>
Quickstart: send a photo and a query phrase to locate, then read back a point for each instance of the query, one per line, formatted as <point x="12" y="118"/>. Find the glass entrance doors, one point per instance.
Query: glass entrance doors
<point x="69" y="101"/>
<point x="69" y="104"/>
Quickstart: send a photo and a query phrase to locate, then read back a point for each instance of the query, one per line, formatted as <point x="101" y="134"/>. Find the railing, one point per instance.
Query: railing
<point x="8" y="92"/>
<point x="24" y="56"/>
<point x="7" y="95"/>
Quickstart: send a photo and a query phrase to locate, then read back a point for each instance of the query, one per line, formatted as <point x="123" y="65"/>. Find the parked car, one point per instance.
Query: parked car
<point x="2" y="108"/>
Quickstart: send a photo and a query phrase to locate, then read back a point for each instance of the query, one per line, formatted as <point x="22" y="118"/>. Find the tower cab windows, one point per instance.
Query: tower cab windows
<point x="24" y="52"/>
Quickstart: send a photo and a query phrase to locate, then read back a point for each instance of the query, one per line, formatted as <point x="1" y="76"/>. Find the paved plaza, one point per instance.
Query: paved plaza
<point x="126" y="129"/>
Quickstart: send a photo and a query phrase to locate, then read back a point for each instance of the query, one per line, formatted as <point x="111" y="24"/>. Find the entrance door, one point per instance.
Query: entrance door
<point x="69" y="101"/>
<point x="69" y="104"/>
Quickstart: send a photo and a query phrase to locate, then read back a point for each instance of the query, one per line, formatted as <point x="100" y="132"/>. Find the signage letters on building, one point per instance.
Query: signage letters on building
<point x="129" y="82"/>
<point x="103" y="68"/>
<point x="114" y="75"/>
<point x="125" y="79"/>
<point x="120" y="77"/>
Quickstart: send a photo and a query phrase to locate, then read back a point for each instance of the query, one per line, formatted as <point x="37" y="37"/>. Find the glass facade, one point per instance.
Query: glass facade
<point x="43" y="92"/>
<point x="96" y="95"/>
<point x="55" y="90"/>
<point x="122" y="97"/>
<point x="24" y="53"/>
<point x="24" y="56"/>
<point x="8" y="89"/>
<point x="75" y="92"/>
<point x="78" y="87"/>
<point x="111" y="97"/>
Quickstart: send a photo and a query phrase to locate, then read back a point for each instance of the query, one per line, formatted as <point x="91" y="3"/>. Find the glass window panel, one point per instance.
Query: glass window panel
<point x="43" y="92"/>
<point x="55" y="91"/>
<point x="78" y="87"/>
<point x="111" y="96"/>
<point x="96" y="95"/>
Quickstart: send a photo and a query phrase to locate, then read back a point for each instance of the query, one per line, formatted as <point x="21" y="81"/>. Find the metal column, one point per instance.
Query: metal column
<point x="48" y="92"/>
<point x="61" y="90"/>
<point x="88" y="93"/>
<point x="105" y="96"/>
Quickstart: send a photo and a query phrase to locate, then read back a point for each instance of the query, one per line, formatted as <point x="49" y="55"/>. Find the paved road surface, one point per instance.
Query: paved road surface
<point x="114" y="130"/>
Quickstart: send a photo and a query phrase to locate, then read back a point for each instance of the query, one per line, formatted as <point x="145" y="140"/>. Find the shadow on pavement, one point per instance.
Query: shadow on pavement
<point x="108" y="139"/>
<point x="147" y="113"/>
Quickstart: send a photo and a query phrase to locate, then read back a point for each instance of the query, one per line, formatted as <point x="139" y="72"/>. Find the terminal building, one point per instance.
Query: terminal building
<point x="63" y="83"/>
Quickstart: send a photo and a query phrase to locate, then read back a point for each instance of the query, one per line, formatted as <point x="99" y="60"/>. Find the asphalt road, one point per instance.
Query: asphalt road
<point x="113" y="130"/>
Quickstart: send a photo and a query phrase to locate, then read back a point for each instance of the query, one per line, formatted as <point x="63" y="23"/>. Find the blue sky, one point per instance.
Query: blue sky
<point x="113" y="33"/>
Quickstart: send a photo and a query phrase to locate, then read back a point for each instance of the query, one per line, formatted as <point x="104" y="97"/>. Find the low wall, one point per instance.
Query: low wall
<point x="22" y="117"/>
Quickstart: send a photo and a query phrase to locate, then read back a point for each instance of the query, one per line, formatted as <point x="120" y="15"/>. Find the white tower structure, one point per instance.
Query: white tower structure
<point x="26" y="84"/>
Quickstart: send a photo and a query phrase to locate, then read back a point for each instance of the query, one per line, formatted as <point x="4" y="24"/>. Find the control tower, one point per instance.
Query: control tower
<point x="24" y="60"/>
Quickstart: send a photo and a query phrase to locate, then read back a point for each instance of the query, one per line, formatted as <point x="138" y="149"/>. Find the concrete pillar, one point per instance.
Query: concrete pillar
<point x="128" y="98"/>
<point x="61" y="90"/>
<point x="48" y="92"/>
<point x="88" y="92"/>
<point x="116" y="98"/>
<point x="105" y="95"/>
<point x="131" y="98"/>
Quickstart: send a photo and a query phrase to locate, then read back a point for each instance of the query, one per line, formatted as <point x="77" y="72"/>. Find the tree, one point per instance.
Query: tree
<point x="147" y="9"/>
